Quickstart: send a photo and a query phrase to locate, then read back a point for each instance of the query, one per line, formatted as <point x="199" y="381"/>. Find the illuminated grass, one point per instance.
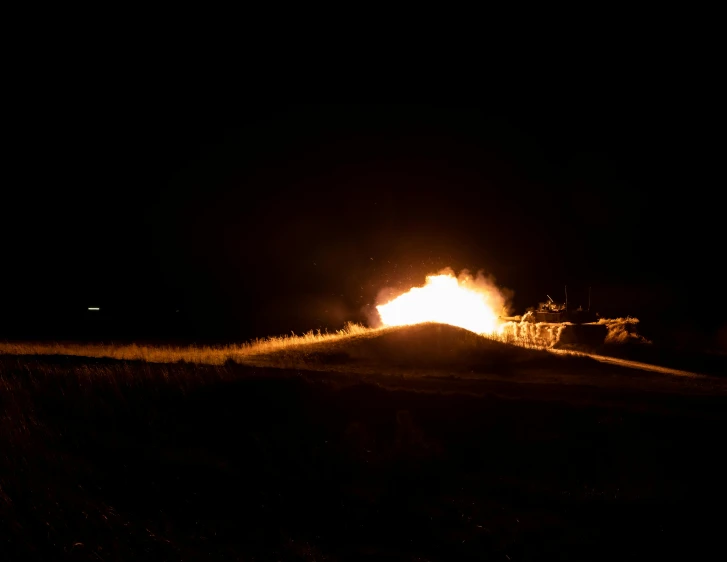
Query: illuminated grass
<point x="424" y="347"/>
<point x="286" y="350"/>
<point x="291" y="350"/>
<point x="210" y="355"/>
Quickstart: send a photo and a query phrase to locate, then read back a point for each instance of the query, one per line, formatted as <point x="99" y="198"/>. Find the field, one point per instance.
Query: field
<point x="419" y="443"/>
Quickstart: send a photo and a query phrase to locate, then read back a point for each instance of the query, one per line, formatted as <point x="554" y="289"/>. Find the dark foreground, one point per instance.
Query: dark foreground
<point x="106" y="460"/>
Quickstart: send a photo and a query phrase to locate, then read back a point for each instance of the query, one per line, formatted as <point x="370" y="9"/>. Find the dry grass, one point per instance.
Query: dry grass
<point x="209" y="355"/>
<point x="409" y="351"/>
<point x="252" y="352"/>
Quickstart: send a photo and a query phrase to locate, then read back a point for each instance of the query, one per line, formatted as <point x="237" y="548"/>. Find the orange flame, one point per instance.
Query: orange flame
<point x="467" y="302"/>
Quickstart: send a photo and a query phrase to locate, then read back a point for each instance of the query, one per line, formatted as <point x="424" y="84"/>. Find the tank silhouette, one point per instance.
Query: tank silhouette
<point x="558" y="312"/>
<point x="579" y="325"/>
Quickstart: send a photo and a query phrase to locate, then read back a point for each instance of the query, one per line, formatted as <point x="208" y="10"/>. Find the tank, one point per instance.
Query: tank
<point x="572" y="325"/>
<point x="556" y="313"/>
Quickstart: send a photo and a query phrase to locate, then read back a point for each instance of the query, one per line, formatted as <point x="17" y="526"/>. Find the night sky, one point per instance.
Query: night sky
<point x="255" y="214"/>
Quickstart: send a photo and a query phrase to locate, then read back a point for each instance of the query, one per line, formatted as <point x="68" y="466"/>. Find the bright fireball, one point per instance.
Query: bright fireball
<point x="448" y="300"/>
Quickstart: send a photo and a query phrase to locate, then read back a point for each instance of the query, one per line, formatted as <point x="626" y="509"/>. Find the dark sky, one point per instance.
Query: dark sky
<point x="255" y="213"/>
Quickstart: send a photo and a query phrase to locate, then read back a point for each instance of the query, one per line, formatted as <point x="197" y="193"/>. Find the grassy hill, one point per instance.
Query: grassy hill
<point x="418" y="443"/>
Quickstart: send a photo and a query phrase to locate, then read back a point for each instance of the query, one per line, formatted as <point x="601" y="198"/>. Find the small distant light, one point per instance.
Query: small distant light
<point x="93" y="308"/>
